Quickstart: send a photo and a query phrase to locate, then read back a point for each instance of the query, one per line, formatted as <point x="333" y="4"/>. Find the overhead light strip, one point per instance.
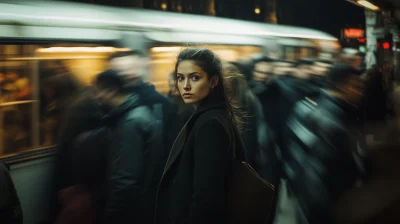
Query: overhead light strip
<point x="368" y="5"/>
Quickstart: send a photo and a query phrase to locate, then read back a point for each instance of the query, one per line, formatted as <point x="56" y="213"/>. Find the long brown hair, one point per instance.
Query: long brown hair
<point x="212" y="65"/>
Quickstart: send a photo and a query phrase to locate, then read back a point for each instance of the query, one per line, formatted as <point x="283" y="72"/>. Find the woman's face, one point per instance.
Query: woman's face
<point x="193" y="83"/>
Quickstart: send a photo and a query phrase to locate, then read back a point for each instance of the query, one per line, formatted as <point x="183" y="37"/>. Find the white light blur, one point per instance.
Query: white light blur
<point x="165" y="49"/>
<point x="81" y="49"/>
<point x="183" y="26"/>
<point x="368" y="5"/>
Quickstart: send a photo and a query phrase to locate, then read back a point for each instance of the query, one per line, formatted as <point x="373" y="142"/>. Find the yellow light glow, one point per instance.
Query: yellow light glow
<point x="164" y="6"/>
<point x="257" y="11"/>
<point x="179" y="8"/>
<point x="81" y="49"/>
<point x="368" y="5"/>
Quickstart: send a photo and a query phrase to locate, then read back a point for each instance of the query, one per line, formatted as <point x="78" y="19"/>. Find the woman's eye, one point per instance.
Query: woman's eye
<point x="195" y="78"/>
<point x="180" y="78"/>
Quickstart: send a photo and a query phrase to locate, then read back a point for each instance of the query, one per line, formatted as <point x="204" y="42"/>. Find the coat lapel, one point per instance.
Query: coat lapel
<point x="179" y="143"/>
<point x="177" y="147"/>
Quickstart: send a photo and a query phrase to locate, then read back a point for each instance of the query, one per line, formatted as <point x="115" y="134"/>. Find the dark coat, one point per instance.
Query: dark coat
<point x="196" y="175"/>
<point x="10" y="206"/>
<point x="149" y="97"/>
<point x="318" y="158"/>
<point x="133" y="163"/>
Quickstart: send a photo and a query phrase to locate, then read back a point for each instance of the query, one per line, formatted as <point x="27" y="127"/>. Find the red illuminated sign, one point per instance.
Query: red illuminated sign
<point x="386" y="45"/>
<point x="353" y="33"/>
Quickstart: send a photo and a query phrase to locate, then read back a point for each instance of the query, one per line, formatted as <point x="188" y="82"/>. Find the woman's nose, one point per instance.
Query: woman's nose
<point x="186" y="86"/>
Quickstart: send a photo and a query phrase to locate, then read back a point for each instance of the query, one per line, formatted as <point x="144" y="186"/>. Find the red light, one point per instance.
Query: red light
<point x="386" y="45"/>
<point x="362" y="40"/>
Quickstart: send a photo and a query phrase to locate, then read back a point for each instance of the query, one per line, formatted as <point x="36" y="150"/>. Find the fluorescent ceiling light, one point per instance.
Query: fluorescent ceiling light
<point x="368" y="5"/>
<point x="81" y="49"/>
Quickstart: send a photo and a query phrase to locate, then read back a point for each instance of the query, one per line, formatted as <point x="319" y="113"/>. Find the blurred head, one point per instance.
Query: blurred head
<point x="130" y="64"/>
<point x="60" y="87"/>
<point x="344" y="79"/>
<point x="199" y="75"/>
<point x="245" y="66"/>
<point x="12" y="76"/>
<point x="283" y="67"/>
<point x="263" y="69"/>
<point x="321" y="67"/>
<point x="110" y="90"/>
<point x="353" y="57"/>
<point x="304" y="69"/>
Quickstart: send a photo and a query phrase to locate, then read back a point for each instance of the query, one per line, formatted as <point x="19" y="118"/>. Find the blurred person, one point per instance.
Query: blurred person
<point x="354" y="58"/>
<point x="255" y="133"/>
<point x="195" y="179"/>
<point x="283" y="68"/>
<point x="318" y="138"/>
<point x="263" y="68"/>
<point x="17" y="86"/>
<point x="14" y="134"/>
<point x="132" y="66"/>
<point x="73" y="111"/>
<point x="321" y="67"/>
<point x="135" y="153"/>
<point x="375" y="96"/>
<point x="83" y="201"/>
<point x="10" y="205"/>
<point x="317" y="70"/>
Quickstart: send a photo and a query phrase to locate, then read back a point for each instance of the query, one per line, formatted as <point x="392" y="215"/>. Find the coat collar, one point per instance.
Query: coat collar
<point x="114" y="115"/>
<point x="207" y="104"/>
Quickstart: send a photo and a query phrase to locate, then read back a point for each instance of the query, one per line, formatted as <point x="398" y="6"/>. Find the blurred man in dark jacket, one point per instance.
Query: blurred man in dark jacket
<point x="318" y="158"/>
<point x="134" y="154"/>
<point x="132" y="66"/>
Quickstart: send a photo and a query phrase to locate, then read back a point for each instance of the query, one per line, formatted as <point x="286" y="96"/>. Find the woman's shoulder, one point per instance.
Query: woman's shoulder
<point x="213" y="118"/>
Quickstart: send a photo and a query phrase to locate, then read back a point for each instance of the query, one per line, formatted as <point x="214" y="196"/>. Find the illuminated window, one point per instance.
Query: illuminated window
<point x="164" y="6"/>
<point x="29" y="115"/>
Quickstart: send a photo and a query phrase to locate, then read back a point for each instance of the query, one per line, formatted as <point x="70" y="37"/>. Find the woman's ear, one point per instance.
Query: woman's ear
<point x="214" y="81"/>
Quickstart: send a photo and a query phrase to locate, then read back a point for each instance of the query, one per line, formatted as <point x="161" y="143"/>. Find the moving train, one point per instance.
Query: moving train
<point x="82" y="36"/>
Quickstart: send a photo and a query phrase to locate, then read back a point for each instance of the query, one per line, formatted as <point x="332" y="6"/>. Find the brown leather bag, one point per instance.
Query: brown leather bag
<point x="250" y="197"/>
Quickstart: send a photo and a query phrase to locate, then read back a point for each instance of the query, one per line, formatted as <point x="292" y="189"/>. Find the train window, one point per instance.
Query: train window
<point x="61" y="68"/>
<point x="29" y="115"/>
<point x="163" y="59"/>
<point x="290" y="53"/>
<point x="294" y="53"/>
<point x="18" y="101"/>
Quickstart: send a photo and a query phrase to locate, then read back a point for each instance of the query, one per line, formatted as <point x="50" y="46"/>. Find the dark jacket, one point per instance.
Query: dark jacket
<point x="149" y="97"/>
<point x="133" y="163"/>
<point x="255" y="134"/>
<point x="82" y="114"/>
<point x="196" y="175"/>
<point x="318" y="157"/>
<point x="10" y="206"/>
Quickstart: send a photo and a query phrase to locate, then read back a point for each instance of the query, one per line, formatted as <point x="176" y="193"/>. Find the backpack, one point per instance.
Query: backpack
<point x="10" y="206"/>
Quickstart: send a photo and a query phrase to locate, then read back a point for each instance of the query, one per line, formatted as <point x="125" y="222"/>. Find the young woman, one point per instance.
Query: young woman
<point x="196" y="177"/>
